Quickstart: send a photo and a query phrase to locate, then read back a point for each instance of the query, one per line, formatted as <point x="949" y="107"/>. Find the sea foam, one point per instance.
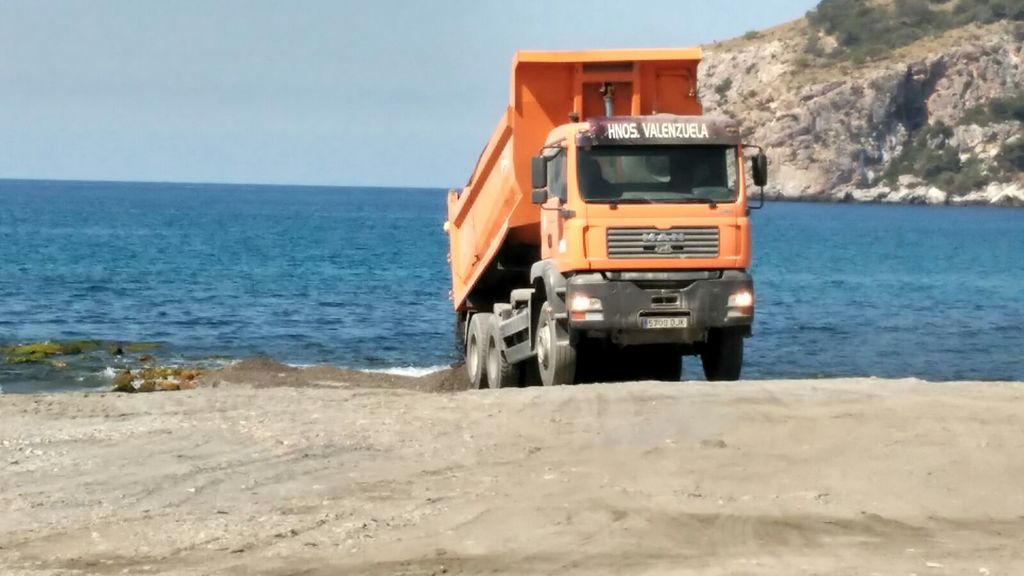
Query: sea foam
<point x="410" y="371"/>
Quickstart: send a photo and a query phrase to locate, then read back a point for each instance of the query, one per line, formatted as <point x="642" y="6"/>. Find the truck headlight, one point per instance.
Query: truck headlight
<point x="741" y="299"/>
<point x="584" y="303"/>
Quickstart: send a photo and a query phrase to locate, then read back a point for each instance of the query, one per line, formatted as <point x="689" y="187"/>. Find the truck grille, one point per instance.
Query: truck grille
<point x="654" y="243"/>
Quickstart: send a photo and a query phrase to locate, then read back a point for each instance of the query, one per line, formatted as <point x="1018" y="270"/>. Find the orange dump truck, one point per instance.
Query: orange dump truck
<point x="604" y="232"/>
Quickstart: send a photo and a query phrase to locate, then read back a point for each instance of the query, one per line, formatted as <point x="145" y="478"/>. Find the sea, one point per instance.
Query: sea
<point x="357" y="278"/>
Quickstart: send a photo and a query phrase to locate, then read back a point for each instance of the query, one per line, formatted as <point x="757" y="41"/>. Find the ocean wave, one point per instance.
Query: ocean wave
<point x="407" y="371"/>
<point x="410" y="371"/>
<point x="109" y="372"/>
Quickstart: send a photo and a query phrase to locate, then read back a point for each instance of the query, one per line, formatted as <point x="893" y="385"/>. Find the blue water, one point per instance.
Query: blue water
<point x="357" y="277"/>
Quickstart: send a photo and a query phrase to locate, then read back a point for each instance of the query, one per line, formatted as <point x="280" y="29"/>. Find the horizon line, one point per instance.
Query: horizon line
<point x="200" y="183"/>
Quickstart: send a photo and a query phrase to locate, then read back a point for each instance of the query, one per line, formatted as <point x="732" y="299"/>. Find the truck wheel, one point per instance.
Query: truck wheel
<point x="722" y="355"/>
<point x="476" y="349"/>
<point x="500" y="374"/>
<point x="556" y="363"/>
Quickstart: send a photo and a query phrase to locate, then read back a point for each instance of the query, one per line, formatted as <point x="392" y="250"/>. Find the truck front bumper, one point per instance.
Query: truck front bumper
<point x="659" y="307"/>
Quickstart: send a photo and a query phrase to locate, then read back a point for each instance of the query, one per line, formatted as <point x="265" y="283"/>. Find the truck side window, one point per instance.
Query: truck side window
<point x="557" y="185"/>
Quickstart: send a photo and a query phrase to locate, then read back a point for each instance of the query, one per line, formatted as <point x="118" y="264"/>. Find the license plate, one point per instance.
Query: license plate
<point x="671" y="322"/>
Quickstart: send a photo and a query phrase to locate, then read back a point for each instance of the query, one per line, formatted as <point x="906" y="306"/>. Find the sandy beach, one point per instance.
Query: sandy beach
<point x="274" y="470"/>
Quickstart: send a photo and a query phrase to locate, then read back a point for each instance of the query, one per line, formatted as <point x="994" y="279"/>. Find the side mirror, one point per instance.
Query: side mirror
<point x="539" y="179"/>
<point x="759" y="169"/>
<point x="539" y="172"/>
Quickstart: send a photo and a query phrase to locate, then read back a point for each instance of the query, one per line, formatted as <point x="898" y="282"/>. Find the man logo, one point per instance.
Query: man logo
<point x="652" y="237"/>
<point x="664" y="249"/>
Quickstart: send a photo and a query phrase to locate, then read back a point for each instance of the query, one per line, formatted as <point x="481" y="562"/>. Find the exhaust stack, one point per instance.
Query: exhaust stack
<point x="608" y="89"/>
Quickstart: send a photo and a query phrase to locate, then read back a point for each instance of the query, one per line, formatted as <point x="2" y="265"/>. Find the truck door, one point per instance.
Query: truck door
<point x="558" y="194"/>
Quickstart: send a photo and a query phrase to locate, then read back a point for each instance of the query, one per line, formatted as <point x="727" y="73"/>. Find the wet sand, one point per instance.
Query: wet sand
<point x="273" y="470"/>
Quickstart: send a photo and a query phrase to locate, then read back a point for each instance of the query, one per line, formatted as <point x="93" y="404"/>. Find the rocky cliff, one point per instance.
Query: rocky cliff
<point x="935" y="121"/>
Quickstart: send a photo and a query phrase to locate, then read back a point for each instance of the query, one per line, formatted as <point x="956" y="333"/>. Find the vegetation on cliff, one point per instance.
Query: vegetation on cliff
<point x="1000" y="109"/>
<point x="883" y="100"/>
<point x="928" y="156"/>
<point x="864" y="29"/>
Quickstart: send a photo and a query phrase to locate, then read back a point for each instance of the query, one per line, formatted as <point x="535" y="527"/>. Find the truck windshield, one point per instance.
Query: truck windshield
<point x="658" y="174"/>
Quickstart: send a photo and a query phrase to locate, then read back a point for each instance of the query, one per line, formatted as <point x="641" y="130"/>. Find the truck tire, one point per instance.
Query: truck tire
<point x="556" y="363"/>
<point x="476" y="349"/>
<point x="722" y="355"/>
<point x="500" y="374"/>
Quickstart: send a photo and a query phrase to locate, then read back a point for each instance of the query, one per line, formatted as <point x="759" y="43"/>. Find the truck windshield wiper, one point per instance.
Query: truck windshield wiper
<point x="634" y="201"/>
<point x="613" y="203"/>
<point x="709" y="201"/>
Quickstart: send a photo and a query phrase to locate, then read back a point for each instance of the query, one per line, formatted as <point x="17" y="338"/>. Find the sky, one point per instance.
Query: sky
<point x="322" y="92"/>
